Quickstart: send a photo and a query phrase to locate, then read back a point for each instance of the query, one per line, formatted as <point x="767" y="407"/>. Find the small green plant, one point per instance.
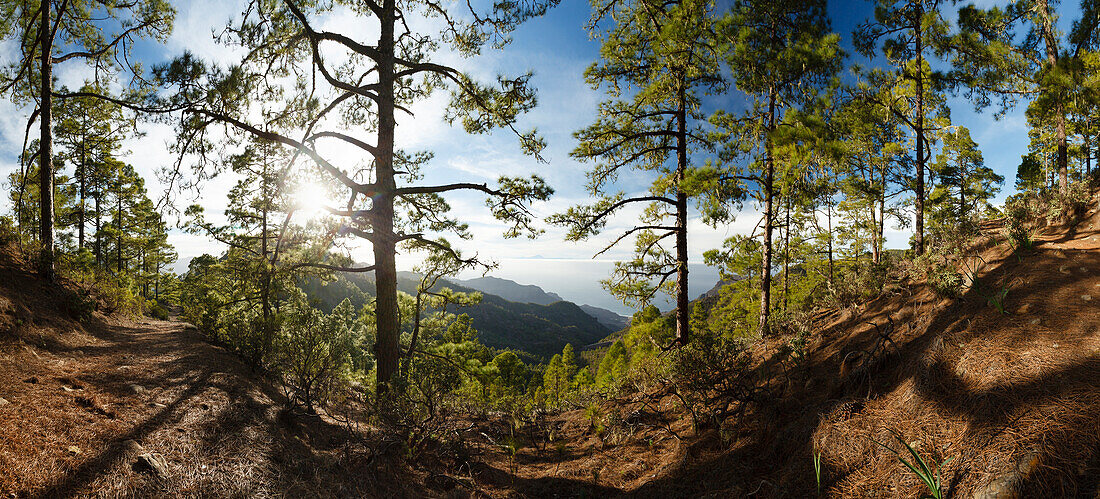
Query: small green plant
<point x="817" y="471"/>
<point x="997" y="299"/>
<point x="946" y="281"/>
<point x="993" y="297"/>
<point x="919" y="466"/>
<point x="594" y="415"/>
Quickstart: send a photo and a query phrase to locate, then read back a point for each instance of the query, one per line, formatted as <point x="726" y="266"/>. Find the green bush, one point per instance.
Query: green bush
<point x="1070" y="206"/>
<point x="314" y="351"/>
<point x="1019" y="215"/>
<point x="156" y="310"/>
<point x="946" y="281"/>
<point x="8" y="232"/>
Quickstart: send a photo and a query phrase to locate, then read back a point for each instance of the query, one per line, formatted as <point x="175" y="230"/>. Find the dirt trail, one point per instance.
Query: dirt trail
<point x="83" y="401"/>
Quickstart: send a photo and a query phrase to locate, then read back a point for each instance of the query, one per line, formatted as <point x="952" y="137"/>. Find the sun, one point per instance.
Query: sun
<point x="310" y="200"/>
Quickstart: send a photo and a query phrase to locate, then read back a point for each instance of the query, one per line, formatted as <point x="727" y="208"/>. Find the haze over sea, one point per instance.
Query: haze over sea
<point x="578" y="280"/>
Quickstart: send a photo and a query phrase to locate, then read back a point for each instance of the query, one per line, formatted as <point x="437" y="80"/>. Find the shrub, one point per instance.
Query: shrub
<point x="712" y="378"/>
<point x="156" y="310"/>
<point x="314" y="351"/>
<point x="1070" y="206"/>
<point x="946" y="281"/>
<point x="8" y="233"/>
<point x="942" y="276"/>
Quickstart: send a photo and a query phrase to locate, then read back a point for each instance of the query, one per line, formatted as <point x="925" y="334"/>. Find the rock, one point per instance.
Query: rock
<point x="67" y="389"/>
<point x="75" y="450"/>
<point x="151" y="462"/>
<point x="1002" y="487"/>
<point x="1035" y="322"/>
<point x="4" y="401"/>
<point x="135" y="389"/>
<point x="1007" y="486"/>
<point x="132" y="447"/>
<point x="1086" y="297"/>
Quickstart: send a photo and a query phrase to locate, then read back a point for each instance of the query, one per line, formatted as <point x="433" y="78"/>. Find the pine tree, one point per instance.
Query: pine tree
<point x="907" y="32"/>
<point x="42" y="30"/>
<point x="1016" y="51"/>
<point x="658" y="61"/>
<point x="780" y="54"/>
<point x="88" y="128"/>
<point x="871" y="147"/>
<point x="385" y="202"/>
<point x="964" y="184"/>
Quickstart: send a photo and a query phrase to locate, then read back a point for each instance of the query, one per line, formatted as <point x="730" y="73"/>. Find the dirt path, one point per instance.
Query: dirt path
<point x="84" y="407"/>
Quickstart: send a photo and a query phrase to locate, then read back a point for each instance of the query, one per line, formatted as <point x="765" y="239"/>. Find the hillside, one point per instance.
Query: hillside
<point x="108" y="406"/>
<point x="509" y="290"/>
<point x="1007" y="404"/>
<point x="541" y="330"/>
<point x="529" y="293"/>
<point x="613" y="320"/>
<point x="1011" y="400"/>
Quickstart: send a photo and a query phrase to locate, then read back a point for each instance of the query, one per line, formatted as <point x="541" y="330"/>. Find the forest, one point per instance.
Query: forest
<point x="880" y="258"/>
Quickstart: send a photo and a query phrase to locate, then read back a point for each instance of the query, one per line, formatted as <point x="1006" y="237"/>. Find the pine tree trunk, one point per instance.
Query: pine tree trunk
<point x="45" y="166"/>
<point x="882" y="214"/>
<point x="118" y="225"/>
<point x="265" y="284"/>
<point x="787" y="254"/>
<point x="1088" y="150"/>
<point x="919" y="208"/>
<point x="682" y="300"/>
<point x="876" y="255"/>
<point x="1048" y="32"/>
<point x="766" y="264"/>
<point x="98" y="228"/>
<point x="386" y="348"/>
<point x="829" y="239"/>
<point x="82" y="177"/>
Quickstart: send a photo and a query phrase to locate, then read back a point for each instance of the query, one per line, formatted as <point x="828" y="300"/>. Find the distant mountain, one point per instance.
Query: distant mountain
<point x="713" y="292"/>
<point x="528" y="293"/>
<point x="509" y="290"/>
<point x="541" y="330"/>
<point x="612" y="320"/>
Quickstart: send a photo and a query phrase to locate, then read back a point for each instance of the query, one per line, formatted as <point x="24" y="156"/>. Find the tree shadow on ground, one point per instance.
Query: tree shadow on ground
<point x="774" y="456"/>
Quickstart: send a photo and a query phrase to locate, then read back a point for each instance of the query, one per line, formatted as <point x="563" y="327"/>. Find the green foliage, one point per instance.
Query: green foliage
<point x="1029" y="174"/>
<point x="920" y="467"/>
<point x="8" y="232"/>
<point x="817" y="471"/>
<point x="314" y="351"/>
<point x="613" y="366"/>
<point x="1020" y="213"/>
<point x="941" y="275"/>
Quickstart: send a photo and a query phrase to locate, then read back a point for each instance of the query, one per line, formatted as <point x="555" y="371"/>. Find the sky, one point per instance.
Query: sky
<point x="558" y="49"/>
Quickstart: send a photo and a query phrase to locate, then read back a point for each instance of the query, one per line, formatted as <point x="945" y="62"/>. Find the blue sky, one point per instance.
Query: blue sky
<point x="557" y="48"/>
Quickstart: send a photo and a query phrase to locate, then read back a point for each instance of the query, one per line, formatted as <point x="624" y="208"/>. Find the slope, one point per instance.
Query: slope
<point x="529" y="293"/>
<point x="541" y="330"/>
<point x="90" y="406"/>
<point x="509" y="290"/>
<point x="1004" y="404"/>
